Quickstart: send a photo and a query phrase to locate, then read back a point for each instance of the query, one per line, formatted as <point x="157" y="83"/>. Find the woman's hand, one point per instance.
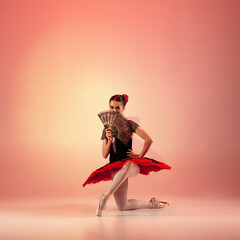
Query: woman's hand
<point x="109" y="135"/>
<point x="130" y="153"/>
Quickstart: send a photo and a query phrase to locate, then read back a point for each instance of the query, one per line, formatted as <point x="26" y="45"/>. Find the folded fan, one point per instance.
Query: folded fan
<point x="116" y="123"/>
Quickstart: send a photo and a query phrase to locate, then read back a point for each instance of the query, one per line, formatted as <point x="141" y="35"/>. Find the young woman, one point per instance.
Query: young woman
<point x="124" y="163"/>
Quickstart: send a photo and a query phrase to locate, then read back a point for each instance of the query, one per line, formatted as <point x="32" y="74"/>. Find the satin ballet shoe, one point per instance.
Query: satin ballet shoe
<point x="154" y="203"/>
<point x="103" y="199"/>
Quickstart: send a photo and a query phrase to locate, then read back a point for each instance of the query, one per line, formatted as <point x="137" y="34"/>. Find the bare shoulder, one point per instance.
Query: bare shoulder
<point x="142" y="133"/>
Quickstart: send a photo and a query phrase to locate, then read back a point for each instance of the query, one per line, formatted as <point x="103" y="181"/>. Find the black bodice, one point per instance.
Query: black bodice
<point x="121" y="150"/>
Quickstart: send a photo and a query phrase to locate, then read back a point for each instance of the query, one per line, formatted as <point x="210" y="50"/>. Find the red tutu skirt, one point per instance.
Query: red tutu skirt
<point x="146" y="165"/>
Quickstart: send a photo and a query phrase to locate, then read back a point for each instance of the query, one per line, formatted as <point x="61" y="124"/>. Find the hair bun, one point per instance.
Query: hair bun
<point x="125" y="98"/>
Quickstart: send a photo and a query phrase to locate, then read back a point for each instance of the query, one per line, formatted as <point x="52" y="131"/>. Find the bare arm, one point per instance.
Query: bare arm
<point x="106" y="148"/>
<point x="106" y="144"/>
<point x="147" y="141"/>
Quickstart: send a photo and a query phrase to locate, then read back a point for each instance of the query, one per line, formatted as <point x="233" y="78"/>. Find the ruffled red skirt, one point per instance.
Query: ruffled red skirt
<point x="146" y="165"/>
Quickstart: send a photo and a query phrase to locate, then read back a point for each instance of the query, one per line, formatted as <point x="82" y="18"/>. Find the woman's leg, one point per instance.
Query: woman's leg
<point x="119" y="187"/>
<point x="129" y="169"/>
<point x="123" y="203"/>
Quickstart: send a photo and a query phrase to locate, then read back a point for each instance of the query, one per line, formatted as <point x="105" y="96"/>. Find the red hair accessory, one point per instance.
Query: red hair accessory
<point x="125" y="98"/>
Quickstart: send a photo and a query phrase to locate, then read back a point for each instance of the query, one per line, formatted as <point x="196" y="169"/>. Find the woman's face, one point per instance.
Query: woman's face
<point x="116" y="106"/>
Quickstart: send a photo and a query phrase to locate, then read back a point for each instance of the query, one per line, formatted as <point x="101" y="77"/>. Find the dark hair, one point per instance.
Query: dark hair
<point x="120" y="98"/>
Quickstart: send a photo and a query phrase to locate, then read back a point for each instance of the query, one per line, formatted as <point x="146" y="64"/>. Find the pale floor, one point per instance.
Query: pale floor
<point x="75" y="219"/>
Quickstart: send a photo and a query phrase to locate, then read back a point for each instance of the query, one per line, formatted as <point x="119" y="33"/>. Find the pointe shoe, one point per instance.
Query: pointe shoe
<point x="154" y="203"/>
<point x="103" y="198"/>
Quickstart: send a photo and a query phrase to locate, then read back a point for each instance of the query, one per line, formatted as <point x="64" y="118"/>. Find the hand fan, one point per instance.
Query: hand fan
<point x="116" y="123"/>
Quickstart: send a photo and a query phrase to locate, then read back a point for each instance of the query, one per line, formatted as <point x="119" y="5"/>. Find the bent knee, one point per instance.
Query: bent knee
<point x="130" y="164"/>
<point x="127" y="165"/>
<point x="132" y="168"/>
<point x="122" y="208"/>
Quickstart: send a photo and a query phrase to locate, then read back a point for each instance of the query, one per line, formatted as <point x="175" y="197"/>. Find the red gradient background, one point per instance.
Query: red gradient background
<point x="61" y="61"/>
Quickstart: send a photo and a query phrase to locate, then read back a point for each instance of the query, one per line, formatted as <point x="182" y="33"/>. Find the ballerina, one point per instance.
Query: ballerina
<point x="123" y="164"/>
